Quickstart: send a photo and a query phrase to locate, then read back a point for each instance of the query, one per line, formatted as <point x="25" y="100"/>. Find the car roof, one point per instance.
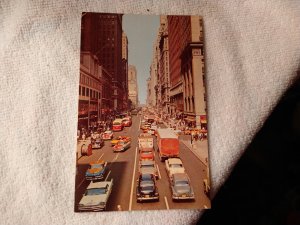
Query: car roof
<point x="166" y="133"/>
<point x="107" y="131"/>
<point x="180" y="176"/>
<point x="147" y="162"/>
<point x="146" y="176"/>
<point x="175" y="161"/>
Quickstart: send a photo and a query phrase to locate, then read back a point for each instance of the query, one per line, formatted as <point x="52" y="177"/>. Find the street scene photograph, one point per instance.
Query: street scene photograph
<point x="142" y="126"/>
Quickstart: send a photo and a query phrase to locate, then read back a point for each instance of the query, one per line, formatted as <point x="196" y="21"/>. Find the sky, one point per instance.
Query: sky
<point x="141" y="32"/>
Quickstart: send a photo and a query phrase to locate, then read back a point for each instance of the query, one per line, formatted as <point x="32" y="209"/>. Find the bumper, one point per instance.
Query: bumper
<point x="183" y="197"/>
<point x="91" y="208"/>
<point x="98" y="177"/>
<point x="119" y="150"/>
<point x="147" y="198"/>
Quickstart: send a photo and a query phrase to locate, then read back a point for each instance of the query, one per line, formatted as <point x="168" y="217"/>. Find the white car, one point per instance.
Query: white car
<point x="108" y="135"/>
<point x="174" y="165"/>
<point x="96" y="196"/>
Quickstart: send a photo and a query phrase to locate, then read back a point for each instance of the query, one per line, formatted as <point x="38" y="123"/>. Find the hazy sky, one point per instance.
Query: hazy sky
<point x="141" y="32"/>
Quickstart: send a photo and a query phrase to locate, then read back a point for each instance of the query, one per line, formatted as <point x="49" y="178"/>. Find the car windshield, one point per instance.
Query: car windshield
<point x="116" y="123"/>
<point x="95" y="191"/>
<point x="96" y="166"/>
<point x="182" y="183"/>
<point x="107" y="132"/>
<point x="148" y="166"/>
<point x="176" y="165"/>
<point x="147" y="185"/>
<point x="147" y="153"/>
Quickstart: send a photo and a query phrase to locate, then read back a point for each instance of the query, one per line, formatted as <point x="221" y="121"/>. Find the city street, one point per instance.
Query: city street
<point x="123" y="169"/>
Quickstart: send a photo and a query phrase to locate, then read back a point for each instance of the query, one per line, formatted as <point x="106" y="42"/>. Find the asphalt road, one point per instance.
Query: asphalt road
<point x="123" y="169"/>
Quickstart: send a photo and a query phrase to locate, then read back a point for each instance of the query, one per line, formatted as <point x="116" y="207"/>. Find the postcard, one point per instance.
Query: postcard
<point x="142" y="125"/>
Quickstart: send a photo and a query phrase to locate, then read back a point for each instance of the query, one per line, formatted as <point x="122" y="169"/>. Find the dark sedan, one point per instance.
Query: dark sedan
<point x="146" y="188"/>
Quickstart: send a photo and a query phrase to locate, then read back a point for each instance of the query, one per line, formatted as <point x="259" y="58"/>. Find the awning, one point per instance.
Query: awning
<point x="190" y="119"/>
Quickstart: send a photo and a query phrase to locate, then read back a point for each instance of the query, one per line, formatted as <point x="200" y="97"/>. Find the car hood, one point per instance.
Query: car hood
<point x="90" y="200"/>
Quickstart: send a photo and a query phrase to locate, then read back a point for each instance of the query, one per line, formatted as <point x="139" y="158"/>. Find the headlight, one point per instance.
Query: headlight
<point x="156" y="194"/>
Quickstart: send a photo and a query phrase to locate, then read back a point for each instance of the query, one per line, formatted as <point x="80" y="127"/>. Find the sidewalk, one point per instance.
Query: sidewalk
<point x="199" y="148"/>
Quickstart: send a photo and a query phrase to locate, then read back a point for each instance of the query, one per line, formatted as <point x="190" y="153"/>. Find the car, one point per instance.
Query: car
<point x="134" y="112"/>
<point x="117" y="125"/>
<point x="174" y="165"/>
<point x="122" y="145"/>
<point x="115" y="141"/>
<point x="127" y="122"/>
<point x="107" y="135"/>
<point x="148" y="166"/>
<point x="96" y="170"/>
<point x="146" y="188"/>
<point x="98" y="142"/>
<point x="181" y="188"/>
<point x="147" y="154"/>
<point x="96" y="196"/>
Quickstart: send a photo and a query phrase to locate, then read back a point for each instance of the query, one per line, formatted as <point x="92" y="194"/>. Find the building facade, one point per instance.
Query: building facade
<point x="163" y="67"/>
<point x="133" y="86"/>
<point x="125" y="69"/>
<point x="103" y="67"/>
<point x="187" y="78"/>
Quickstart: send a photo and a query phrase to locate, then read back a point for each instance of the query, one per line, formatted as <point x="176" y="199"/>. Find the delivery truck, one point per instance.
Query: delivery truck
<point x="168" y="143"/>
<point x="145" y="141"/>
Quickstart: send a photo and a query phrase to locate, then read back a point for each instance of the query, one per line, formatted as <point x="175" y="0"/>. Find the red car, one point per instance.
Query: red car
<point x="147" y="154"/>
<point x="117" y="125"/>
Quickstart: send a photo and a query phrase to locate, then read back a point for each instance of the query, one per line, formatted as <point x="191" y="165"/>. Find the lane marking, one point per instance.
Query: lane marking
<point x="132" y="182"/>
<point x="107" y="175"/>
<point x="167" y="204"/>
<point x="80" y="183"/>
<point x="116" y="157"/>
<point x="100" y="157"/>
<point x="158" y="171"/>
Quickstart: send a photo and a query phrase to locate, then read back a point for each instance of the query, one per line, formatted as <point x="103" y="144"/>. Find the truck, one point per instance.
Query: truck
<point x="145" y="141"/>
<point x="168" y="144"/>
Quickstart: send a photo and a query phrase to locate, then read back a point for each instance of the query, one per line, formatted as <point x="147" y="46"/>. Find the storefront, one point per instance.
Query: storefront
<point x="203" y="122"/>
<point x="83" y="114"/>
<point x="190" y="121"/>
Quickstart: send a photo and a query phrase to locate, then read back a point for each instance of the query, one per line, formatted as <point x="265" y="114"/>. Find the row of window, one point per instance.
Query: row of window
<point x="85" y="80"/>
<point x="85" y="91"/>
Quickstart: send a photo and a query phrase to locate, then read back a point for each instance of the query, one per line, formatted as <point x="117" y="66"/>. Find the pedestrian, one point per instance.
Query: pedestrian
<point x="192" y="138"/>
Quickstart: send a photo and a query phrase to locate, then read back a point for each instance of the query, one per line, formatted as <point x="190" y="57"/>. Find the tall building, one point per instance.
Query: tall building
<point x="163" y="67"/>
<point x="104" y="39"/>
<point x="177" y="32"/>
<point x="132" y="86"/>
<point x="187" y="90"/>
<point x="102" y="56"/>
<point x="125" y="68"/>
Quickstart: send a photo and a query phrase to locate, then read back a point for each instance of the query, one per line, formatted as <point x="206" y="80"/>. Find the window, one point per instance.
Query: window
<point x="87" y="92"/>
<point x="91" y="93"/>
<point x="79" y="90"/>
<point x="83" y="91"/>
